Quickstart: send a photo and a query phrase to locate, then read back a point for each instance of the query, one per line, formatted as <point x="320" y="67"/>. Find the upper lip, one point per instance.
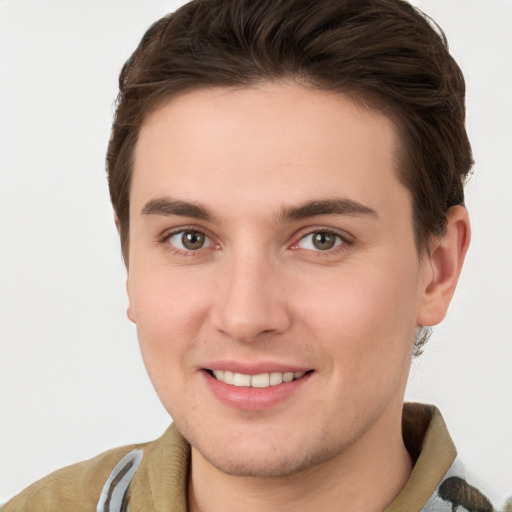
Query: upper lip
<point x="255" y="368"/>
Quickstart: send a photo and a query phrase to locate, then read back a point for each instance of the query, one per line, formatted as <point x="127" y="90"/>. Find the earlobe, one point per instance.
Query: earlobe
<point x="444" y="266"/>
<point x="129" y="314"/>
<point x="129" y="310"/>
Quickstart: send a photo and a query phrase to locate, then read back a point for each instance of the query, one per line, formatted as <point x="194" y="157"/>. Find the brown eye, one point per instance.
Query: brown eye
<point x="189" y="240"/>
<point x="324" y="240"/>
<point x="192" y="240"/>
<point x="320" y="241"/>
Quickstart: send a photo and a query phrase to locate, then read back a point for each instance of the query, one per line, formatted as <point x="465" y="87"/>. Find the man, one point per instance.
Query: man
<point x="287" y="182"/>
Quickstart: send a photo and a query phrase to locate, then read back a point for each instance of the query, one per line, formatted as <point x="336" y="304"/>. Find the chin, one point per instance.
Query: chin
<point x="273" y="466"/>
<point x="274" y="459"/>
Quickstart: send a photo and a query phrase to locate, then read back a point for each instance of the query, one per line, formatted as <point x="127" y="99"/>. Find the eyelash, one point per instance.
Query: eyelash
<point x="342" y="241"/>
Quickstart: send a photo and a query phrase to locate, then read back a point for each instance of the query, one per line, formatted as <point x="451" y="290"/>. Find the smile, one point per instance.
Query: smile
<point x="262" y="380"/>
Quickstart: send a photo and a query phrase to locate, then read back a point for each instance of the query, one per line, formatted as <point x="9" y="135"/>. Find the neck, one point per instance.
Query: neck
<point x="367" y="476"/>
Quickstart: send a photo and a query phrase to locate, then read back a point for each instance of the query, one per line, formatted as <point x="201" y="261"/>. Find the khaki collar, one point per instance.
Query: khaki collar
<point x="432" y="450"/>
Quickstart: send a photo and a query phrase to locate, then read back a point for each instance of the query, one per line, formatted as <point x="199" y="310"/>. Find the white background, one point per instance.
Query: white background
<point x="72" y="383"/>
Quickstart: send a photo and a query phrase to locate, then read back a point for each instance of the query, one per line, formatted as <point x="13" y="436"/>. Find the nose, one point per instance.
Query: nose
<point x="251" y="303"/>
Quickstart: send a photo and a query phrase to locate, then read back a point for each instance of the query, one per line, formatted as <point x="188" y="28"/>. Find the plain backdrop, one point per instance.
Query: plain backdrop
<point x="72" y="383"/>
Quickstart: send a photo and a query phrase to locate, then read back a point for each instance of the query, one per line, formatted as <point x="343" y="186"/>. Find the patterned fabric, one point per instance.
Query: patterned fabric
<point x="455" y="494"/>
<point x="113" y="495"/>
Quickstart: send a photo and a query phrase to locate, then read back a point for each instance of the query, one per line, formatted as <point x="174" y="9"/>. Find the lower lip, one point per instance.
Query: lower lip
<point x="254" y="399"/>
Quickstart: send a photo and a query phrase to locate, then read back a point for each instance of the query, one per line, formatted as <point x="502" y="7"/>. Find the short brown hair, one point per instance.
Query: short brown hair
<point x="384" y="53"/>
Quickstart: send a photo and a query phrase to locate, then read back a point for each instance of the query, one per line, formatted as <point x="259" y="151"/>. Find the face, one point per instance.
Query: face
<point x="273" y="275"/>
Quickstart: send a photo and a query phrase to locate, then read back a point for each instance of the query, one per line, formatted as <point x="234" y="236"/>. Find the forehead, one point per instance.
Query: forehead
<point x="278" y="142"/>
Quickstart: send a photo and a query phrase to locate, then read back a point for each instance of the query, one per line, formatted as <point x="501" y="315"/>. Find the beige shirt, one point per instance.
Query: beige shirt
<point x="159" y="483"/>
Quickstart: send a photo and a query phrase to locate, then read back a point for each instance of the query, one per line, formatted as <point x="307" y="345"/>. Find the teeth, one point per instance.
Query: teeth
<point x="241" y="379"/>
<point x="263" y="380"/>
<point x="260" y="381"/>
<point x="275" y="378"/>
<point x="287" y="377"/>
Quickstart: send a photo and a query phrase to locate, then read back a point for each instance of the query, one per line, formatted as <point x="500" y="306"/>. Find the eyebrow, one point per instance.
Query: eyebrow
<point x="339" y="206"/>
<point x="168" y="206"/>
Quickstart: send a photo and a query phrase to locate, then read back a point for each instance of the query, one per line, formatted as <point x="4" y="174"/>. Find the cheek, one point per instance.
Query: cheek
<point x="166" y="333"/>
<point x="366" y="317"/>
<point x="167" y="310"/>
<point x="166" y="300"/>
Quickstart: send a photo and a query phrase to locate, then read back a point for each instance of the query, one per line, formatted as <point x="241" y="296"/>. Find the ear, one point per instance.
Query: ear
<point x="442" y="267"/>
<point x="129" y="311"/>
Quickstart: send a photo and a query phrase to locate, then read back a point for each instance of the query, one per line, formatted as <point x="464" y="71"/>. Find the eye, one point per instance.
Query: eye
<point x="320" y="241"/>
<point x="189" y="240"/>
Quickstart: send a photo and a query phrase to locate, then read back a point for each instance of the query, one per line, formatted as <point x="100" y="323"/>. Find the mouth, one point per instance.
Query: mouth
<point x="261" y="380"/>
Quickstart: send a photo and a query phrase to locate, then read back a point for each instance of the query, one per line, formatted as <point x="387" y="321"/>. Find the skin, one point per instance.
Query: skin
<point x="260" y="293"/>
